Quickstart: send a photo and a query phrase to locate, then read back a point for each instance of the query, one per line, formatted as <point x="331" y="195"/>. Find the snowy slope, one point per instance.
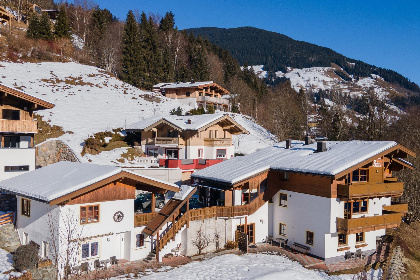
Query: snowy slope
<point x="89" y="100"/>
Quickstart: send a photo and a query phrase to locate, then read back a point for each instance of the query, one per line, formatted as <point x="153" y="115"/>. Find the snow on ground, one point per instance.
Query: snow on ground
<point x="5" y="263"/>
<point x="89" y="100"/>
<point x="244" y="267"/>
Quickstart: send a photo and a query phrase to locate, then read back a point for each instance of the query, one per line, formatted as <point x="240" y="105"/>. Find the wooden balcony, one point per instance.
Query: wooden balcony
<point x="210" y="99"/>
<point x="166" y="141"/>
<point x="364" y="224"/>
<point x="366" y="190"/>
<point x="18" y="126"/>
<point x="397" y="208"/>
<point x="217" y="142"/>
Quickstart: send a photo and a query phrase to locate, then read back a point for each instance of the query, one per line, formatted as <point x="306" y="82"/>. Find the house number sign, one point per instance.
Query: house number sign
<point x="118" y="216"/>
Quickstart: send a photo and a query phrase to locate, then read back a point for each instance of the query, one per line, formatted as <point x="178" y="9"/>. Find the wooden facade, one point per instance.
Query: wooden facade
<point x="109" y="192"/>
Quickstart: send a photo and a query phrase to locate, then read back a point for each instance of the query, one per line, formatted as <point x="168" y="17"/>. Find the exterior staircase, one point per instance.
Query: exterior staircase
<point x="170" y="213"/>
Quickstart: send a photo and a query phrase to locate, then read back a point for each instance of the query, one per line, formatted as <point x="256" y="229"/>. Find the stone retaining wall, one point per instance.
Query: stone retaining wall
<point x="53" y="151"/>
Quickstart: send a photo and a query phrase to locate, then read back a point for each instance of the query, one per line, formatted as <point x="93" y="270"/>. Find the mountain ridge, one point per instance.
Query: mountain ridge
<point x="277" y="52"/>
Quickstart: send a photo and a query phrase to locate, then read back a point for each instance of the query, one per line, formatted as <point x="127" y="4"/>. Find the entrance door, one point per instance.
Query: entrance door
<point x="250" y="231"/>
<point x="120" y="242"/>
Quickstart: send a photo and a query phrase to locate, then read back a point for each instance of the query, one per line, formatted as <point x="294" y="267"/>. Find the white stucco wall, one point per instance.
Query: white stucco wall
<point x="16" y="157"/>
<point x="303" y="213"/>
<point x="211" y="152"/>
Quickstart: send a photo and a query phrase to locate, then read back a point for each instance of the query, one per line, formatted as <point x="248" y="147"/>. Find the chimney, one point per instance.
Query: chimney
<point x="288" y="143"/>
<point x="321" y="146"/>
<point x="307" y="140"/>
<point x="189" y="121"/>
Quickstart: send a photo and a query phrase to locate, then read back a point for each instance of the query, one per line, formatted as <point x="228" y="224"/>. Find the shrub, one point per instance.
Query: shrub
<point x="231" y="245"/>
<point x="26" y="256"/>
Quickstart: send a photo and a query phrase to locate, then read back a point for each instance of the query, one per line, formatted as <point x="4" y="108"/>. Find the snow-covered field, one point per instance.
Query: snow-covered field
<point x="244" y="267"/>
<point x="88" y="100"/>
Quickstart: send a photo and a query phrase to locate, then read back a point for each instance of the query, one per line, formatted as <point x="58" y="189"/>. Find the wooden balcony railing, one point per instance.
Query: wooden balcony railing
<point x="18" y="126"/>
<point x="210" y="99"/>
<point x="364" y="224"/>
<point x="398" y="208"/>
<point x="166" y="140"/>
<point x="6" y="219"/>
<point x="143" y="219"/>
<point x="216" y="142"/>
<point x="362" y="190"/>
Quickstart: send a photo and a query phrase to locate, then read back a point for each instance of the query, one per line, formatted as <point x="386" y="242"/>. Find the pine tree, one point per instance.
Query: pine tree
<point x="130" y="51"/>
<point x="44" y="31"/>
<point x="62" y="27"/>
<point x="33" y="27"/>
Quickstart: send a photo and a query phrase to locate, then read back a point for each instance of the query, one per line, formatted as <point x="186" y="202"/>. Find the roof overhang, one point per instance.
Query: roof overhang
<point x="39" y="103"/>
<point x="395" y="152"/>
<point x="227" y="122"/>
<point x="152" y="185"/>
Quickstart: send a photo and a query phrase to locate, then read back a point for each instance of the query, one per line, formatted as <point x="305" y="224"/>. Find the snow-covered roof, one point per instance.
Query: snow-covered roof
<point x="193" y="122"/>
<point x="301" y="158"/>
<point x="62" y="178"/>
<point x="182" y="85"/>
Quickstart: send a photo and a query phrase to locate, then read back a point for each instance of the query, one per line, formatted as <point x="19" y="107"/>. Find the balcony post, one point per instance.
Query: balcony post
<point x="153" y="203"/>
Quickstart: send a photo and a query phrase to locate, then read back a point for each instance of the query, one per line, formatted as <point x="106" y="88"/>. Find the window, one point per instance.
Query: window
<point x="360" y="206"/>
<point x="89" y="214"/>
<point x="283" y="200"/>
<point x="172" y="153"/>
<point x="360" y="175"/>
<point x="200" y="153"/>
<point x="210" y="133"/>
<point x="347" y="208"/>
<point x="139" y="240"/>
<point x="360" y="237"/>
<point x="342" y="239"/>
<point x="282" y="229"/>
<point x="9" y="114"/>
<point x="216" y="134"/>
<point x="26" y="207"/>
<point x="285" y="176"/>
<point x="16" y="168"/>
<point x="90" y="250"/>
<point x="309" y="237"/>
<point x="152" y="152"/>
<point x="188" y="94"/>
<point x="11" y="141"/>
<point x="221" y="153"/>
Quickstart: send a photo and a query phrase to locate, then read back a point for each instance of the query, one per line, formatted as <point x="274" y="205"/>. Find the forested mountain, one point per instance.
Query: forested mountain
<point x="276" y="52"/>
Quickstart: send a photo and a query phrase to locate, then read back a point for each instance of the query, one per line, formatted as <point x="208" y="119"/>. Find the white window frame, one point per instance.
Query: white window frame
<point x="155" y="152"/>
<point x="90" y="250"/>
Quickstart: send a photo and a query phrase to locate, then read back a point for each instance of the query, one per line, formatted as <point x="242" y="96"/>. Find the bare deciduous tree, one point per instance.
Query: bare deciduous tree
<point x="201" y="241"/>
<point x="64" y="241"/>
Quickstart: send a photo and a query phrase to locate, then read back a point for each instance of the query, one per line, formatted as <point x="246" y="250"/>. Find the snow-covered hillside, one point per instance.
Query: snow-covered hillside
<point x="326" y="78"/>
<point x="89" y="100"/>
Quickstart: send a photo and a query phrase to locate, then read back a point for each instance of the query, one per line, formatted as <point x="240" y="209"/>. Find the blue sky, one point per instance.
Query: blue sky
<point x="383" y="33"/>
